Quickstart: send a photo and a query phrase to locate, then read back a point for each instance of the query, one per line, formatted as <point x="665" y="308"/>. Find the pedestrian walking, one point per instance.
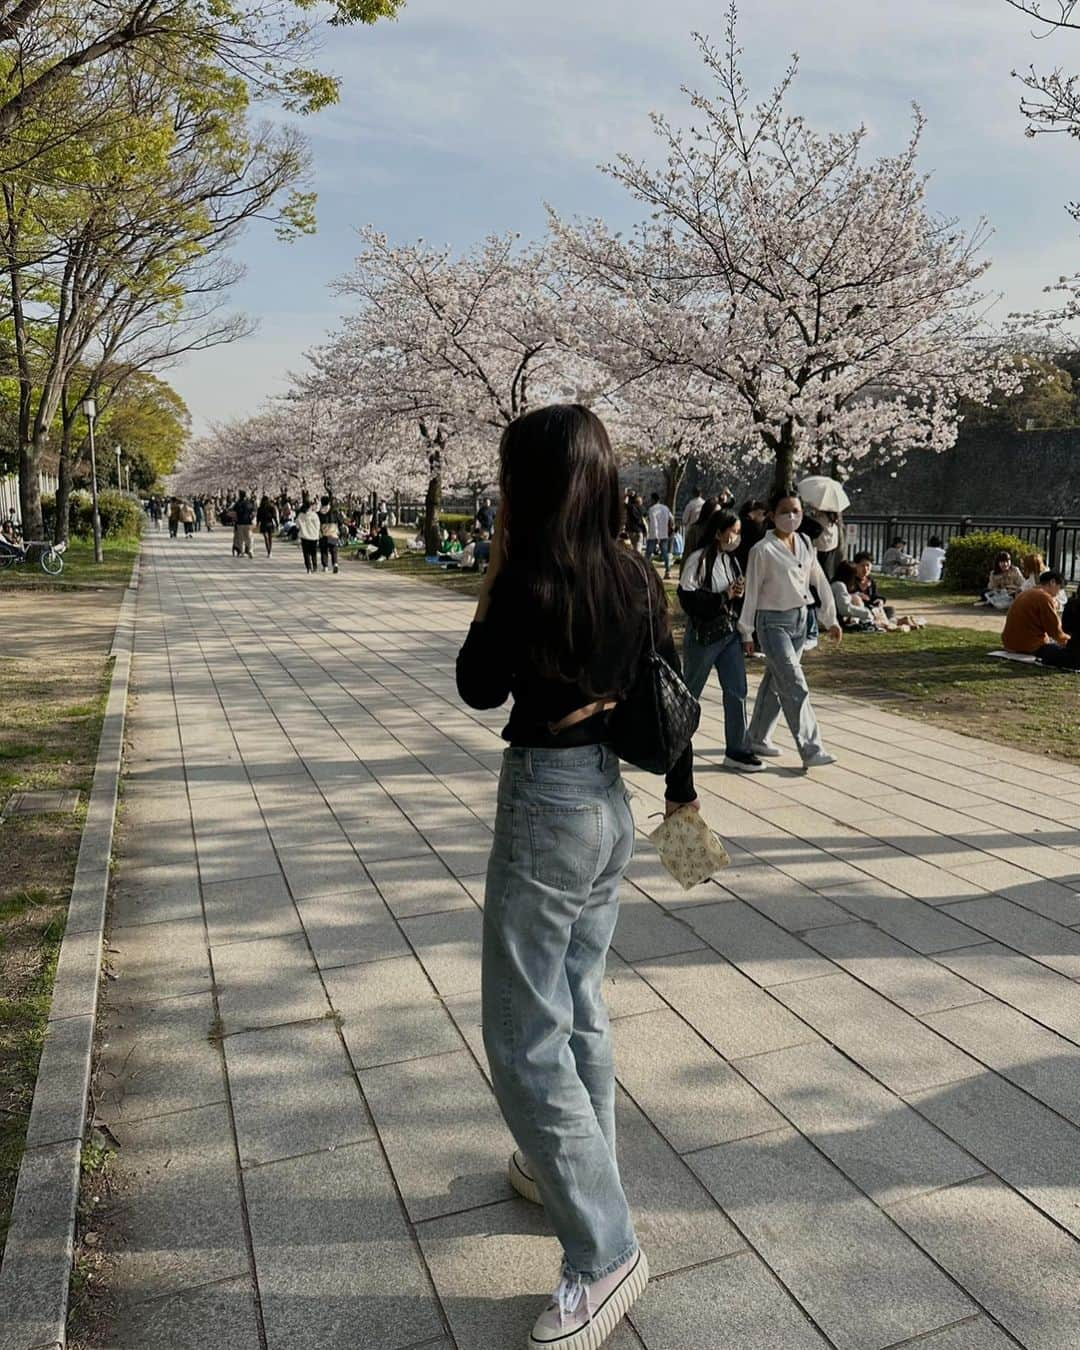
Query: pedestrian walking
<point x="244" y="518"/>
<point x="635" y="521"/>
<point x="155" y="512"/>
<point x="661" y="528"/>
<point x="174" y="517"/>
<point x="200" y="513"/>
<point x="563" y="651"/>
<point x="711" y="589"/>
<point x="782" y="569"/>
<point x="309" y="526"/>
<point x="187" y="519"/>
<point x="267" y="519"/>
<point x="330" y="524"/>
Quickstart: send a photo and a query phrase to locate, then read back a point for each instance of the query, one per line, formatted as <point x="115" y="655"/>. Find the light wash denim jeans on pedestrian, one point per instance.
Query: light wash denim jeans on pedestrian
<point x="726" y="658"/>
<point x="563" y="837"/>
<point x="781" y="635"/>
<point x="661" y="547"/>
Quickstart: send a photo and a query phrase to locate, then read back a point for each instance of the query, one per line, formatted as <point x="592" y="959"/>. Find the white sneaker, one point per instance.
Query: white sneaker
<point x="582" y="1316"/>
<point x="819" y="761"/>
<point x="742" y="762"/>
<point x="766" y="749"/>
<point x="520" y="1179"/>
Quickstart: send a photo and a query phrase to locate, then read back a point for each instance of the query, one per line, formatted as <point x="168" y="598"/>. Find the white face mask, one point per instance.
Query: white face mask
<point x="788" y="521"/>
<point x="731" y="545"/>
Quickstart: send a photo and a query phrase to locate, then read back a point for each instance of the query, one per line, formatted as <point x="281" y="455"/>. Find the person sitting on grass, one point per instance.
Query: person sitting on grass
<point x="1033" y="623"/>
<point x="383" y="547"/>
<point x="852" y="609"/>
<point x="1005" y="583"/>
<point x="477" y="553"/>
<point x="885" y="616"/>
<point x="451" y="545"/>
<point x="931" y="560"/>
<point x="897" y="561"/>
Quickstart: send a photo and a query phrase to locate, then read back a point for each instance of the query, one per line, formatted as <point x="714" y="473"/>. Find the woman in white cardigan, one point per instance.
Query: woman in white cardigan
<point x="780" y="572"/>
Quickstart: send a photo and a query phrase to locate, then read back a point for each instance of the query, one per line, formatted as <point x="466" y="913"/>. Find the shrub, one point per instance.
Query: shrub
<point x="455" y="521"/>
<point x="121" y="516"/>
<point x="969" y="558"/>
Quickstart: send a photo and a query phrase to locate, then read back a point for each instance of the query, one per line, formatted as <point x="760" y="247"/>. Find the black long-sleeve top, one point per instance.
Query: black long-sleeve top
<point x="493" y="666"/>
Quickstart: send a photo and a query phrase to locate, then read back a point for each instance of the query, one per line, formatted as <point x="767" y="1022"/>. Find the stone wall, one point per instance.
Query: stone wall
<point x="1034" y="473"/>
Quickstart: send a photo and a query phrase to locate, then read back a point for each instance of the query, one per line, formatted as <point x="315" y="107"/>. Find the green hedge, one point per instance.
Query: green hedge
<point x="456" y="522"/>
<point x="969" y="559"/>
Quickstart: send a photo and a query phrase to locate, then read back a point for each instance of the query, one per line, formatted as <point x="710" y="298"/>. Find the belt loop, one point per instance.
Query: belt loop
<point x="528" y="765"/>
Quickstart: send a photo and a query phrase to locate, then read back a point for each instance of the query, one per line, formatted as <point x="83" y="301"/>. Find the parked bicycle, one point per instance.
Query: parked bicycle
<point x="50" y="556"/>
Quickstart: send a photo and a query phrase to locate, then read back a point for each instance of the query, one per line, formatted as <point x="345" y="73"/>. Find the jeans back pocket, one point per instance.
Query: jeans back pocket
<point x="564" y="844"/>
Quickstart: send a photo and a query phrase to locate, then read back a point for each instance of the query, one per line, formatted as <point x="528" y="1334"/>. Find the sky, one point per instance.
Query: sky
<point x="466" y="116"/>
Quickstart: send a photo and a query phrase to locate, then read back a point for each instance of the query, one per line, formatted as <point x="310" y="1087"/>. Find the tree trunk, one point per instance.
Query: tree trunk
<point x="30" y="490"/>
<point x="674" y="470"/>
<point x="784" y="472"/>
<point x="432" y="503"/>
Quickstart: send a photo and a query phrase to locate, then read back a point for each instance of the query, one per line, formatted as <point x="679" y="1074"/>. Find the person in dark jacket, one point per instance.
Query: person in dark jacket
<point x="243" y="514"/>
<point x="710" y="592"/>
<point x="330" y="524"/>
<point x="565" y="619"/>
<point x="752" y="527"/>
<point x="267" y="518"/>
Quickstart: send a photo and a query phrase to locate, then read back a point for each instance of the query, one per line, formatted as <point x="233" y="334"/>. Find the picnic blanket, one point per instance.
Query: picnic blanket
<point x="1031" y="661"/>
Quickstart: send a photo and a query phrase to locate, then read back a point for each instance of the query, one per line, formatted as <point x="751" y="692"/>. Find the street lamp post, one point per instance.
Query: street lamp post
<point x="119" y="472"/>
<point x="89" y="411"/>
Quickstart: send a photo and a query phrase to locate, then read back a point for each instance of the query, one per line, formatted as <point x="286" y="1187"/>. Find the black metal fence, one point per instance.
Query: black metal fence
<point x="1057" y="540"/>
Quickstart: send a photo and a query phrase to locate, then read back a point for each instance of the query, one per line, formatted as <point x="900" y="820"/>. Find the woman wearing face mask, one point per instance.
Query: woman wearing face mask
<point x="779" y="574"/>
<point x="710" y="592"/>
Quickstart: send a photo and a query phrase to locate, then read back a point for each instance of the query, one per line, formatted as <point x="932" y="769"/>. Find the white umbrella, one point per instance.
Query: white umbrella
<point x="826" y="494"/>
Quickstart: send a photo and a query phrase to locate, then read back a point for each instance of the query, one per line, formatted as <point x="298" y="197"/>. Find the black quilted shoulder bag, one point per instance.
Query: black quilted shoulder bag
<point x="652" y="726"/>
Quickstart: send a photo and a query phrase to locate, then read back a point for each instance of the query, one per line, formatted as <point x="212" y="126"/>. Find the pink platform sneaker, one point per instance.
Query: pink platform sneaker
<point x="582" y="1316"/>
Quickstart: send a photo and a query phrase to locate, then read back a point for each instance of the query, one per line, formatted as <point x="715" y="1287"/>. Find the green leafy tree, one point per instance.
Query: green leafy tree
<point x="1045" y="399"/>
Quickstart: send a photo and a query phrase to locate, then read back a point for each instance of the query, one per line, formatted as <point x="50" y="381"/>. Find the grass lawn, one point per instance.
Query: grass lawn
<point x="940" y="674"/>
<point x="946" y="678"/>
<point x="52" y="700"/>
<point x="931" y="592"/>
<point x="79" y="568"/>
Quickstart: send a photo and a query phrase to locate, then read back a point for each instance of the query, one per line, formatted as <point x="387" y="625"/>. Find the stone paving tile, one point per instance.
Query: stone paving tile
<point x="446" y="1160"/>
<point x="1022" y="1268"/>
<point x="625" y="992"/>
<point x="418" y="885"/>
<point x="678" y="1222"/>
<point x="728" y="1010"/>
<point x="322" y="869"/>
<point x="162" y="901"/>
<point x="645" y="930"/>
<point x="495" y="1269"/>
<point x="349" y="929"/>
<point x="1021" y="1140"/>
<point x="1046" y="942"/>
<point x="864" y="1284"/>
<point x="1037" y="1060"/>
<point x="732" y="1303"/>
<point x="897" y="1049"/>
<point x="187" y="1228"/>
<point x="781" y="898"/>
<point x="222" y="1313"/>
<point x="157" y="1057"/>
<point x="293" y="1092"/>
<point x="691" y="1096"/>
<point x="905" y="977"/>
<point x="266" y="983"/>
<point x="336" y="1264"/>
<point x="761" y="950"/>
<point x="978" y="1333"/>
<point x="247" y="908"/>
<point x="449" y="946"/>
<point x="881" y="1144"/>
<point x="1042" y="993"/>
<point x="465" y="849"/>
<point x="913" y="922"/>
<point x="919" y="879"/>
<point x="159" y="960"/>
<point x="390" y="1012"/>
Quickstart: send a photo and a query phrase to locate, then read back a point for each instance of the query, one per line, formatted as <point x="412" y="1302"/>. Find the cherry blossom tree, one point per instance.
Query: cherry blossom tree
<point x="451" y="349"/>
<point x="821" y="306"/>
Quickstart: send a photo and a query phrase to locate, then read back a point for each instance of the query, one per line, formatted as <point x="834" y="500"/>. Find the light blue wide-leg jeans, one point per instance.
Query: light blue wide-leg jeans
<point x="781" y="635"/>
<point x="726" y="657"/>
<point x="563" y="837"/>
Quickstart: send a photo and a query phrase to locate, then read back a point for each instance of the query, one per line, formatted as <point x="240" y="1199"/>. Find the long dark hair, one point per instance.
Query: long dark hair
<point x="583" y="593"/>
<point x="707" y="539"/>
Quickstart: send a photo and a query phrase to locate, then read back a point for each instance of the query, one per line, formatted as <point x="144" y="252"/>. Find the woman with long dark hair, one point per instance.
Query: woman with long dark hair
<point x="561" y="626"/>
<point x="710" y="591"/>
<point x="782" y="569"/>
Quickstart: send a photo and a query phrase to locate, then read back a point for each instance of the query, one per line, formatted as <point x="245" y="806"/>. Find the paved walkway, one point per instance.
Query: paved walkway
<point x="850" y="1076"/>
